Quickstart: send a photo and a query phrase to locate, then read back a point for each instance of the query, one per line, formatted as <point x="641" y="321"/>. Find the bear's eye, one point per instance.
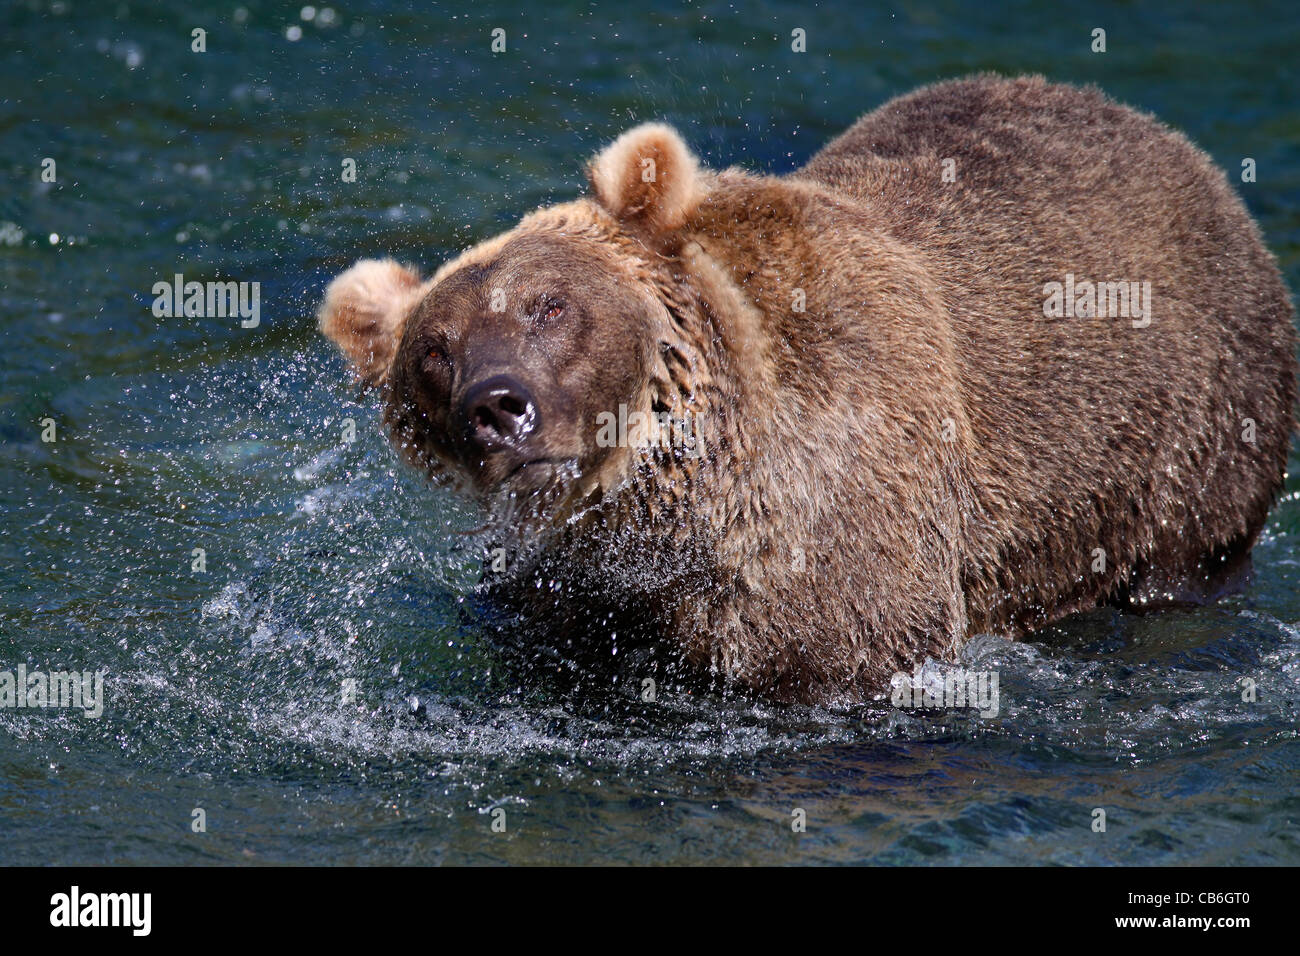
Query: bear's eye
<point x="436" y="356"/>
<point x="549" y="308"/>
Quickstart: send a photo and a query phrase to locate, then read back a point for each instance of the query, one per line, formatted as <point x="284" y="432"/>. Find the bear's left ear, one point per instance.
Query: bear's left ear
<point x="363" y="312"/>
<point x="647" y="176"/>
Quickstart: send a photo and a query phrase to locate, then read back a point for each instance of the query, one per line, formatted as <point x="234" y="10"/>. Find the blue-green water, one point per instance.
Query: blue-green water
<point x="328" y="562"/>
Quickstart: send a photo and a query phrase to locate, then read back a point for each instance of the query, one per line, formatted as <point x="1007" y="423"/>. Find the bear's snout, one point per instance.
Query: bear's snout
<point x="499" y="413"/>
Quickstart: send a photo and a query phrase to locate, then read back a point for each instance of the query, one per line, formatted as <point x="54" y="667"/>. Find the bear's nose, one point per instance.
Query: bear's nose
<point x="498" y="412"/>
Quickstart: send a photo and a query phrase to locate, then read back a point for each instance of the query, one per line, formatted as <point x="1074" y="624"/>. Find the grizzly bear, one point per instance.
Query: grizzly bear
<point x="1002" y="351"/>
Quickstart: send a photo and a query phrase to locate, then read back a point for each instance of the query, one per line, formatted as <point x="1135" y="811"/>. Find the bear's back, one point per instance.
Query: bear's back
<point x="1087" y="433"/>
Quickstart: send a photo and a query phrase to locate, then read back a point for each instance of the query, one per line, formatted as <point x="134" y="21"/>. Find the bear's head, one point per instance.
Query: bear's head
<point x="541" y="364"/>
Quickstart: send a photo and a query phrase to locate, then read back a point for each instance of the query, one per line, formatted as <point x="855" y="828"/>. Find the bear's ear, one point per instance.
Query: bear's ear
<point x="647" y="175"/>
<point x="363" y="312"/>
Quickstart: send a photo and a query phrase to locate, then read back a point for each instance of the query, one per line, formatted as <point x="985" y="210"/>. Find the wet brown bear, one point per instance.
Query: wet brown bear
<point x="1000" y="352"/>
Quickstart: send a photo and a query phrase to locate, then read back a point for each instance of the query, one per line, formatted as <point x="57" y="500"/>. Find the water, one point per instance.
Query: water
<point x="328" y="562"/>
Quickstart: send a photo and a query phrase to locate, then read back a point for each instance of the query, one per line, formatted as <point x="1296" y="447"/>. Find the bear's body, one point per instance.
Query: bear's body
<point x="900" y="449"/>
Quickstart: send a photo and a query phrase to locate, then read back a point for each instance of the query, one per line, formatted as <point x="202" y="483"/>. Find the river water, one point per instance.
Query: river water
<point x="328" y="566"/>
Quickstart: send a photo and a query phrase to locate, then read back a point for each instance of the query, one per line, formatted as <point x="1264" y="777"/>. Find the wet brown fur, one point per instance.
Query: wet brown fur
<point x="920" y="454"/>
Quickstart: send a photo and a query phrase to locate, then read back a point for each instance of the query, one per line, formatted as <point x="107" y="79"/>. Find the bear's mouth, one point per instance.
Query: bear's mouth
<point x="536" y="480"/>
<point x="524" y="466"/>
<point x="521" y="495"/>
<point x="530" y="505"/>
<point x="533" y="490"/>
<point x="538" y="486"/>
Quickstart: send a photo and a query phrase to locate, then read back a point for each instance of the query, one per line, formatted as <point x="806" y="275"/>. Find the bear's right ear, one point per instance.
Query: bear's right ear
<point x="363" y="312"/>
<point x="647" y="176"/>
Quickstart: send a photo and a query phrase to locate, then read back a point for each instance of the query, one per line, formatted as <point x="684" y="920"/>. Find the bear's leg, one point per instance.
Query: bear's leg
<point x="1211" y="577"/>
